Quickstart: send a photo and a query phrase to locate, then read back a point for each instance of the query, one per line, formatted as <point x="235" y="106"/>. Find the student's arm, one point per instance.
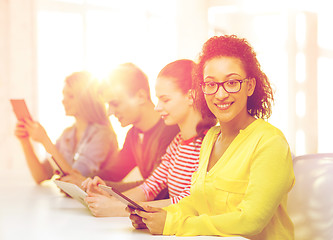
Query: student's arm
<point x="185" y="193"/>
<point x="136" y="194"/>
<point x="39" y="171"/>
<point x="38" y="134"/>
<point x="101" y="204"/>
<point x="270" y="180"/>
<point x="105" y="206"/>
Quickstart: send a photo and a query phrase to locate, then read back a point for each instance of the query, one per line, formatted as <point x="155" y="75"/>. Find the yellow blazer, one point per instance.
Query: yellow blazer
<point x="244" y="193"/>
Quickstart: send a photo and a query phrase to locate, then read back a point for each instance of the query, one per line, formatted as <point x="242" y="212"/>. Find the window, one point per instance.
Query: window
<point x="294" y="46"/>
<point x="325" y="82"/>
<point x="75" y="35"/>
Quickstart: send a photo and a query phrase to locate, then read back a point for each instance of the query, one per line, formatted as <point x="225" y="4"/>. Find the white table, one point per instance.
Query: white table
<point x="29" y="211"/>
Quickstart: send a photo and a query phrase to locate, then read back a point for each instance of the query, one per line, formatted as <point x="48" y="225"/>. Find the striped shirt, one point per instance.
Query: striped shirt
<point x="175" y="171"/>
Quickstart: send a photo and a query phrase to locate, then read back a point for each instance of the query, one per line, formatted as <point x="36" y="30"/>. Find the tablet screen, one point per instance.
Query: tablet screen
<point x="121" y="197"/>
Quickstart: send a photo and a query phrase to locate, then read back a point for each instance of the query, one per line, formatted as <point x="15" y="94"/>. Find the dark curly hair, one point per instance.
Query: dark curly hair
<point x="260" y="103"/>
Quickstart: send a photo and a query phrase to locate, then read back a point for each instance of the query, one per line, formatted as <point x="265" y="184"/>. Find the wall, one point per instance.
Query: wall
<point x="17" y="71"/>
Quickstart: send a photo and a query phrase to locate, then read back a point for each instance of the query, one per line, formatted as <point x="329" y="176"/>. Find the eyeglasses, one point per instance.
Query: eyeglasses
<point x="230" y="86"/>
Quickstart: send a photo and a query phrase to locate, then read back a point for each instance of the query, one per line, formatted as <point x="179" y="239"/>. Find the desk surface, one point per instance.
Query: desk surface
<point x="29" y="211"/>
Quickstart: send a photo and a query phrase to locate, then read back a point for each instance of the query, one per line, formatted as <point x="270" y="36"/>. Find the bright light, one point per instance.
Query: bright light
<point x="99" y="38"/>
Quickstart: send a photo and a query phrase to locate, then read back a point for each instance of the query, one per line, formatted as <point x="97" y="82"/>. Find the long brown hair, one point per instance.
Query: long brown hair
<point x="181" y="72"/>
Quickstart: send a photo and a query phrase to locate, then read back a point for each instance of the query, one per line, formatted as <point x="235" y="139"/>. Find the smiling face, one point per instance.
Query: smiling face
<point x="228" y="107"/>
<point x="173" y="105"/>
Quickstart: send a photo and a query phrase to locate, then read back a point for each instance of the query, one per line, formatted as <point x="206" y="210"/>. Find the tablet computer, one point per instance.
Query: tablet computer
<point x="20" y="109"/>
<point x="57" y="167"/>
<point x="121" y="197"/>
<point x="72" y="190"/>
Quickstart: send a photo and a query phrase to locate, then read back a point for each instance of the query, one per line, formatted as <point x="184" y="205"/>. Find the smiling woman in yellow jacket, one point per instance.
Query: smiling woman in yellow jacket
<point x="245" y="193"/>
<point x="245" y="170"/>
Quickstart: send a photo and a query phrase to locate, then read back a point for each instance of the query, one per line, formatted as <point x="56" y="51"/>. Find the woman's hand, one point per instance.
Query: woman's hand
<point x="154" y="219"/>
<point x="136" y="220"/>
<point x="36" y="131"/>
<point x="91" y="185"/>
<point x="21" y="131"/>
<point x="84" y="184"/>
<point x="104" y="206"/>
<point x="74" y="177"/>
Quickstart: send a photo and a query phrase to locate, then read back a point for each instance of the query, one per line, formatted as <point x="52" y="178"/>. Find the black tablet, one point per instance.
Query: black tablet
<point x="56" y="167"/>
<point x="121" y="197"/>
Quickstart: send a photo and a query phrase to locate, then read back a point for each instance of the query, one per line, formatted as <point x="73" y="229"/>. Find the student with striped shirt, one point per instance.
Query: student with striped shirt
<point x="175" y="171"/>
<point x="175" y="105"/>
